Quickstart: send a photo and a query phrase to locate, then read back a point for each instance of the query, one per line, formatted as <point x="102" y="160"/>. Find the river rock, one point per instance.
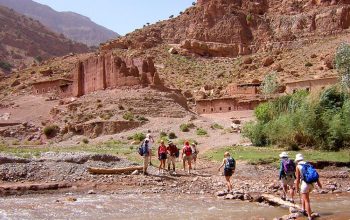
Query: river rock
<point x="220" y="193"/>
<point x="91" y="192"/>
<point x="293" y="210"/>
<point x="136" y="172"/>
<point x="229" y="196"/>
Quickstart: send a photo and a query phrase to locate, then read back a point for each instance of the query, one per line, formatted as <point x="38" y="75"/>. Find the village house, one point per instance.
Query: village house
<point x="60" y="87"/>
<point x="246" y="89"/>
<point x="221" y="105"/>
<point x="310" y="84"/>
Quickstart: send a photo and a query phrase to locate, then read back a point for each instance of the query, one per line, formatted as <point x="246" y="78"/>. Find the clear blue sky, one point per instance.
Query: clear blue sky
<point x="121" y="16"/>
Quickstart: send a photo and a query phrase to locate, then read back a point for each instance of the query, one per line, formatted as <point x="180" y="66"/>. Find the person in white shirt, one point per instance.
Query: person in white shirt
<point x="150" y="144"/>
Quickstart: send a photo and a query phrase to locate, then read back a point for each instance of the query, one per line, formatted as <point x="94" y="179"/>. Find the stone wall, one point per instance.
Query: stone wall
<point x="310" y="85"/>
<point x="60" y="87"/>
<point x="110" y="71"/>
<point x="208" y="106"/>
<point x="242" y="89"/>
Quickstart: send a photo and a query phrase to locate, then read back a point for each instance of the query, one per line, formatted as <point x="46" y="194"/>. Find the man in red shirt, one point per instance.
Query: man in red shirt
<point x="173" y="153"/>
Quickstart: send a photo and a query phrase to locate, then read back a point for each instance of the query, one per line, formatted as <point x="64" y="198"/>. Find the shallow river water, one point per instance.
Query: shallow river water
<point x="152" y="207"/>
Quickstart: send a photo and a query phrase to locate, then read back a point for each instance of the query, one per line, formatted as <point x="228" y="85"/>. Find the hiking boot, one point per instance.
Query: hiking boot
<point x="283" y="198"/>
<point x="303" y="212"/>
<point x="145" y="173"/>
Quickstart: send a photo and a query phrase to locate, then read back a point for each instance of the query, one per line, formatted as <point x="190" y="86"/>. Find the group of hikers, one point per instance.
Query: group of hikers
<point x="294" y="175"/>
<point x="169" y="154"/>
<point x="297" y="175"/>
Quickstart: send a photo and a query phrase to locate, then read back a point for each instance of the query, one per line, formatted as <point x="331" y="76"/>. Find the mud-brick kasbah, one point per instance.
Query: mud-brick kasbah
<point x="108" y="71"/>
<point x="102" y="72"/>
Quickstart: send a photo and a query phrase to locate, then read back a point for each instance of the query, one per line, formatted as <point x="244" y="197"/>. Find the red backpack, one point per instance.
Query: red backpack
<point x="188" y="150"/>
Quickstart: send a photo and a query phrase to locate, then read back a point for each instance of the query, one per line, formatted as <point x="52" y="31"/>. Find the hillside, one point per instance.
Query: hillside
<point x="217" y="42"/>
<point x="23" y="40"/>
<point x="74" y="26"/>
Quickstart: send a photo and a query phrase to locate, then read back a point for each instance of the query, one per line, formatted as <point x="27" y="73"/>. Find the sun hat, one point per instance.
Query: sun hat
<point x="299" y="157"/>
<point x="283" y="154"/>
<point x="193" y="144"/>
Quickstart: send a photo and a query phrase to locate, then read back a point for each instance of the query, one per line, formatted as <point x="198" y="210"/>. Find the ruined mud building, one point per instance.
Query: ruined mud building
<point x="247" y="96"/>
<point x="103" y="71"/>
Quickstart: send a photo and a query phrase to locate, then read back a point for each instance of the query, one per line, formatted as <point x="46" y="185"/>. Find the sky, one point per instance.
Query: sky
<point x="121" y="16"/>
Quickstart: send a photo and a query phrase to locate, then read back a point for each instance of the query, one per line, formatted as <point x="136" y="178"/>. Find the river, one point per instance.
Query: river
<point x="154" y="206"/>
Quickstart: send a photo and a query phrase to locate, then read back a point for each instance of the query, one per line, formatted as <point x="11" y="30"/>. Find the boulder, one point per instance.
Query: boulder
<point x="46" y="72"/>
<point x="278" y="68"/>
<point x="329" y="62"/>
<point x="220" y="193"/>
<point x="173" y="51"/>
<point x="268" y="61"/>
<point x="15" y="83"/>
<point x="247" y="60"/>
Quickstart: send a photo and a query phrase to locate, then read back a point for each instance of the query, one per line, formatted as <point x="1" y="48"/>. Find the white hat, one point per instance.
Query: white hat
<point x="148" y="135"/>
<point x="299" y="157"/>
<point x="283" y="154"/>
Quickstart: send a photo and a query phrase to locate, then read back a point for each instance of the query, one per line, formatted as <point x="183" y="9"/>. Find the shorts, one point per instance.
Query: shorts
<point x="306" y="188"/>
<point x="228" y="172"/>
<point x="194" y="156"/>
<point x="162" y="156"/>
<point x="288" y="180"/>
<point x="171" y="159"/>
<point x="187" y="158"/>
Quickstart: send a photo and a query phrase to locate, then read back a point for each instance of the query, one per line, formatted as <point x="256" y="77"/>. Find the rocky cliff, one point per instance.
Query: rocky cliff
<point x="214" y="27"/>
<point x="74" y="26"/>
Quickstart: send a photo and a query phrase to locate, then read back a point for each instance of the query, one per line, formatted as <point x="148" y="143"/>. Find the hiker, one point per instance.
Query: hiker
<point x="173" y="153"/>
<point x="187" y="156"/>
<point x="150" y="144"/>
<point x="194" y="154"/>
<point x="287" y="176"/>
<point x="145" y="153"/>
<point x="307" y="175"/>
<point x="162" y="155"/>
<point x="229" y="168"/>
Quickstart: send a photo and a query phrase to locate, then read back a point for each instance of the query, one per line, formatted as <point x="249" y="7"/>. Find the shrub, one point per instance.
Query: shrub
<point x="85" y="141"/>
<point x="184" y="128"/>
<point x="201" y="132"/>
<point x="172" y="135"/>
<point x="249" y="18"/>
<point x="269" y="85"/>
<point x="51" y="130"/>
<point x="142" y="118"/>
<point x="5" y="66"/>
<point x="120" y="107"/>
<point x="255" y="132"/>
<point x="137" y="137"/>
<point x="308" y="64"/>
<point x="216" y="126"/>
<point x="128" y="116"/>
<point x="163" y="134"/>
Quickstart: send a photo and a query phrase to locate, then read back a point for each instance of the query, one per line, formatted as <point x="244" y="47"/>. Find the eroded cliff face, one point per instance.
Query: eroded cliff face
<point x="244" y="25"/>
<point x="102" y="71"/>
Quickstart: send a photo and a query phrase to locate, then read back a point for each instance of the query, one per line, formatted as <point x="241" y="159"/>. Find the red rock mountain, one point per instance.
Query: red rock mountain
<point x="238" y="27"/>
<point x="23" y="39"/>
<point x="74" y="26"/>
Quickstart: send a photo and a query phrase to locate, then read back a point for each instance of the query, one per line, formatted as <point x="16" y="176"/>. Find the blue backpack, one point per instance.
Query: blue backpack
<point x="143" y="149"/>
<point x="310" y="174"/>
<point x="230" y="164"/>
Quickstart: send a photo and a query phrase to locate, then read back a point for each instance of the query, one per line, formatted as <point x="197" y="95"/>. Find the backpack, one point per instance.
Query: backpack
<point x="288" y="167"/>
<point x="230" y="164"/>
<point x="188" y="150"/>
<point x="310" y="174"/>
<point x="177" y="153"/>
<point x="143" y="149"/>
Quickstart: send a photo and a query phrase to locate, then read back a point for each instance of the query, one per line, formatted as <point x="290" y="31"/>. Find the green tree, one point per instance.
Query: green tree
<point x="269" y="85"/>
<point x="342" y="63"/>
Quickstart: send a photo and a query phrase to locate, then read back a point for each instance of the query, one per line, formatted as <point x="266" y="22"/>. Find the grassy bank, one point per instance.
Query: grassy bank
<point x="118" y="148"/>
<point x="264" y="155"/>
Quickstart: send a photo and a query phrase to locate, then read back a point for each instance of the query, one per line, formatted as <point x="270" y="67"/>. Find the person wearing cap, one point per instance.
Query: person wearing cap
<point x="162" y="155"/>
<point x="173" y="152"/>
<point x="187" y="156"/>
<point x="145" y="156"/>
<point x="287" y="176"/>
<point x="194" y="154"/>
<point x="304" y="188"/>
<point x="150" y="144"/>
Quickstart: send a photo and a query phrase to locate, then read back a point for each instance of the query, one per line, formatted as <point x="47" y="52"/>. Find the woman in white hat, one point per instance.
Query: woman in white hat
<point x="287" y="176"/>
<point x="305" y="188"/>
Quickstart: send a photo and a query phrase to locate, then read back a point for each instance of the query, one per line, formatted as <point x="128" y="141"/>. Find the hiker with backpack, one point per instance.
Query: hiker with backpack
<point x="150" y="139"/>
<point x="287" y="176"/>
<point x="229" y="165"/>
<point x="144" y="152"/>
<point x="173" y="153"/>
<point x="187" y="156"/>
<point x="162" y="155"/>
<point x="306" y="176"/>
<point x="194" y="154"/>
